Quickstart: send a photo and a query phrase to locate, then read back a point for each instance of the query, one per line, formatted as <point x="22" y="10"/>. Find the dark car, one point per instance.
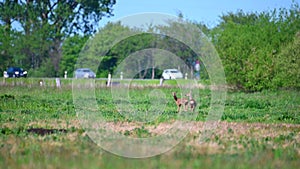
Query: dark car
<point x="15" y="72"/>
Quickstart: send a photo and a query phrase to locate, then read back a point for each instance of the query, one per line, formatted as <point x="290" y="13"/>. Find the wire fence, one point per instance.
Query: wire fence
<point x="97" y="82"/>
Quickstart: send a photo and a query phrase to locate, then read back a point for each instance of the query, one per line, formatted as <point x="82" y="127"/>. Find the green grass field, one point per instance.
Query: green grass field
<point x="40" y="129"/>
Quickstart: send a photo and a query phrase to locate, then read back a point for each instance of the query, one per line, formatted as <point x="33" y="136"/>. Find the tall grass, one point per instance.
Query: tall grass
<point x="257" y="130"/>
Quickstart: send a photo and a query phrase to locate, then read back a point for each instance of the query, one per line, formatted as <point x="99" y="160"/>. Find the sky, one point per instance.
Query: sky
<point x="206" y="11"/>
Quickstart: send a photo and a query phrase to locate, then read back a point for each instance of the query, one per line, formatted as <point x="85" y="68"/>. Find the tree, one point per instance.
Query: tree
<point x="99" y="52"/>
<point x="45" y="24"/>
<point x="71" y="48"/>
<point x="5" y="47"/>
<point x="190" y="43"/>
<point x="114" y="43"/>
<point x="141" y="62"/>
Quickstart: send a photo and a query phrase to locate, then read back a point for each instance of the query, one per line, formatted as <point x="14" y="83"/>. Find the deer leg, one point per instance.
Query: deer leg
<point x="193" y="108"/>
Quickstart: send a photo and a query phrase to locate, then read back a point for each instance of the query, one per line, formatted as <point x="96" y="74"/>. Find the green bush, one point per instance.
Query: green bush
<point x="288" y="65"/>
<point x="260" y="50"/>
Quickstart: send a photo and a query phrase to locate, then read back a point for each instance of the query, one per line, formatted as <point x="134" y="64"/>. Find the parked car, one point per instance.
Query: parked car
<point x="172" y="74"/>
<point x="84" y="73"/>
<point x="15" y="72"/>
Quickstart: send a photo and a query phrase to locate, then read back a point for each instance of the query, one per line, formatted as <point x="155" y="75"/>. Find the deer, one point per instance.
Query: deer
<point x="180" y="101"/>
<point x="191" y="101"/>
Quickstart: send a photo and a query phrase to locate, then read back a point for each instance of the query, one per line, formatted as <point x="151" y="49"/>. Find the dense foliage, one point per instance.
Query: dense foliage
<point x="260" y="50"/>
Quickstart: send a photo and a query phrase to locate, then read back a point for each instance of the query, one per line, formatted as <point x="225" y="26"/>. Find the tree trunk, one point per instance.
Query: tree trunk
<point x="153" y="72"/>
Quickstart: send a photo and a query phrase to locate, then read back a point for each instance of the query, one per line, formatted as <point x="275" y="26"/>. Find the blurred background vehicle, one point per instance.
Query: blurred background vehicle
<point x="15" y="72"/>
<point x="84" y="73"/>
<point x="172" y="74"/>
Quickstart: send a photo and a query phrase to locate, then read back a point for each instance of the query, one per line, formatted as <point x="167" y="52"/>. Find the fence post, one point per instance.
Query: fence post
<point x="108" y="80"/>
<point x="121" y="76"/>
<point x="57" y="80"/>
<point x="186" y="76"/>
<point x="41" y="83"/>
<point x="4" y="77"/>
<point x="161" y="81"/>
<point x="66" y="74"/>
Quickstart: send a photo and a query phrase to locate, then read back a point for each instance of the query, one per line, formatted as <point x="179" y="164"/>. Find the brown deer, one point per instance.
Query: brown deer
<point x="191" y="101"/>
<point x="180" y="101"/>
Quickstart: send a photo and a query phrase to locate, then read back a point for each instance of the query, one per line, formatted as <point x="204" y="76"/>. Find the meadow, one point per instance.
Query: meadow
<point x="40" y="129"/>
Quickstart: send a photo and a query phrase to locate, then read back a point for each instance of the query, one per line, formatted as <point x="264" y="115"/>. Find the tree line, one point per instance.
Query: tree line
<point x="258" y="50"/>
